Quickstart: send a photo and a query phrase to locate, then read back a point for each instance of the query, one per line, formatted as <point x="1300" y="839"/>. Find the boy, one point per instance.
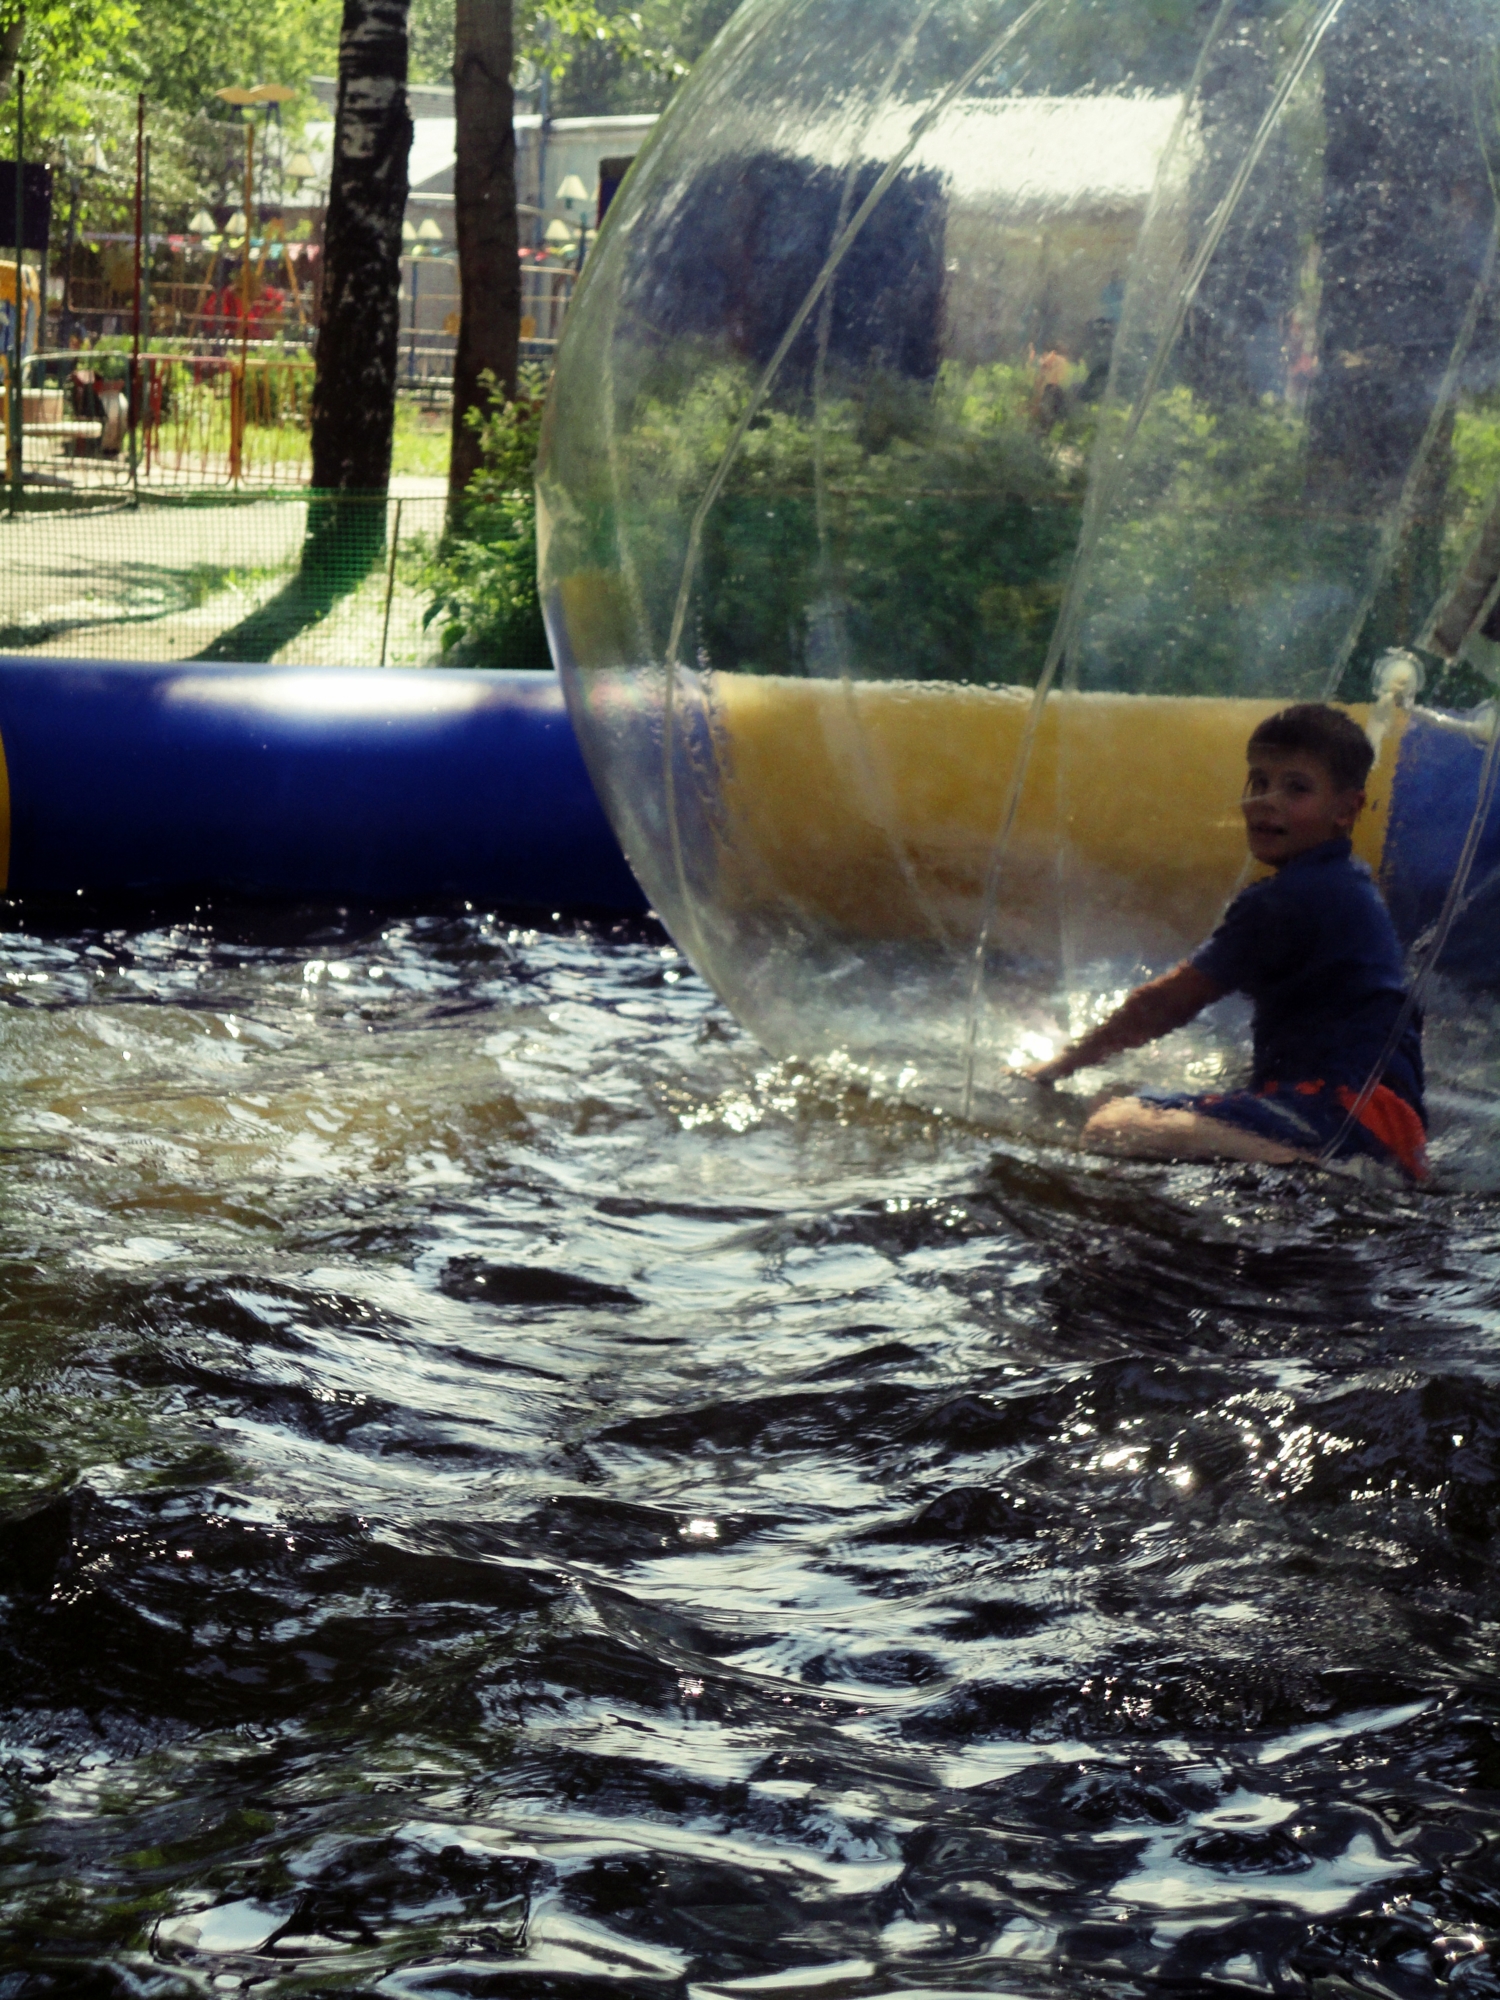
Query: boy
<point x="1315" y="949"/>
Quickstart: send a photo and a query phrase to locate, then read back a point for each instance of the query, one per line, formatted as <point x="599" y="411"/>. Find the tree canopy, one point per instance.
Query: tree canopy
<point x="188" y="49"/>
<point x="602" y="55"/>
<point x="627" y="58"/>
<point x="69" y="49"/>
<point x="85" y="60"/>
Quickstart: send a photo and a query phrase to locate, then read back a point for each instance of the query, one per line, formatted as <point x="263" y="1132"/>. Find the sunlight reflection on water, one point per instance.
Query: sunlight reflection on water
<point x="502" y="1480"/>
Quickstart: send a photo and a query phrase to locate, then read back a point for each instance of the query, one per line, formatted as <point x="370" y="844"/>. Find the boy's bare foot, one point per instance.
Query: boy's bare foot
<point x="1129" y="1126"/>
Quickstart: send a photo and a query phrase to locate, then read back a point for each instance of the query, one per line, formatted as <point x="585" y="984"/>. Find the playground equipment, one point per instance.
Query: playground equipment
<point x="972" y="419"/>
<point x="31" y="308"/>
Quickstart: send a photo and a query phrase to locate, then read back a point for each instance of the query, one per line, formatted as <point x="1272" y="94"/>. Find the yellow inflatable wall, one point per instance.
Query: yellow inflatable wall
<point x="873" y="807"/>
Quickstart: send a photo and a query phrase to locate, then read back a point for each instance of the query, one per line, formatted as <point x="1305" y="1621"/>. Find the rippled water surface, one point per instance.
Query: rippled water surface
<point x="505" y="1491"/>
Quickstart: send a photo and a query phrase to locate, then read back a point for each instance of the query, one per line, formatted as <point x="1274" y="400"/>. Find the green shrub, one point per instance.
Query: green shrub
<point x="482" y="575"/>
<point x="930" y="531"/>
<point x="913" y="530"/>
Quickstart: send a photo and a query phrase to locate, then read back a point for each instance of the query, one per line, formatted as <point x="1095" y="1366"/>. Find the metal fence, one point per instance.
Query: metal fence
<point x="174" y="419"/>
<point x="96" y="424"/>
<point x="216" y="411"/>
<point x="273" y="576"/>
<point x="162" y="508"/>
<point x="199" y="310"/>
<point x="211" y="319"/>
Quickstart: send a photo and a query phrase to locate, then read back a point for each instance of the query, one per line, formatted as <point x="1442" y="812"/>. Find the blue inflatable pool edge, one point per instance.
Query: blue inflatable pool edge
<point x="422" y="784"/>
<point x="386" y="785"/>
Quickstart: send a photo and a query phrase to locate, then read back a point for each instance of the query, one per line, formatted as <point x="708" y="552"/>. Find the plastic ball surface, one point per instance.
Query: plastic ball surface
<point x="973" y="419"/>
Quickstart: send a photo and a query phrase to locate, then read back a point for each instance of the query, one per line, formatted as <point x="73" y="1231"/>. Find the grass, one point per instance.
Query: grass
<point x="422" y="441"/>
<point x="194" y="430"/>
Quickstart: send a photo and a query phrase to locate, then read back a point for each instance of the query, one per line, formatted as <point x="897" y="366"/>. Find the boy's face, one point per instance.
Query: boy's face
<point x="1291" y="804"/>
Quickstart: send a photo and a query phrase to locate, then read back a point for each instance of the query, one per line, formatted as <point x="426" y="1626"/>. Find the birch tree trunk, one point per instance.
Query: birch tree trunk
<point x="354" y="391"/>
<point x="484" y="187"/>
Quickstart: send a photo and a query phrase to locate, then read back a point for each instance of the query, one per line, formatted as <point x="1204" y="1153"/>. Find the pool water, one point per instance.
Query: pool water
<point x="506" y="1490"/>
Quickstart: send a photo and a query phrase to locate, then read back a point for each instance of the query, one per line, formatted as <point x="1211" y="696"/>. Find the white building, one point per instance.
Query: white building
<point x="584" y="152"/>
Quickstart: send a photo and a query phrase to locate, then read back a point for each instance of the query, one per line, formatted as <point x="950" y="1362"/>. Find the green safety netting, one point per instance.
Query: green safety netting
<point x="284" y="576"/>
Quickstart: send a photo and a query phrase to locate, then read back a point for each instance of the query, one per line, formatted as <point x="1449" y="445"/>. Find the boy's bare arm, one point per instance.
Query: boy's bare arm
<point x="1153" y="1010"/>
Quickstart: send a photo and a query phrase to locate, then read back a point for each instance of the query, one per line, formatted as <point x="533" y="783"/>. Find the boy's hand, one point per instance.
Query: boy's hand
<point x="1151" y="1010"/>
<point x="1046" y="1073"/>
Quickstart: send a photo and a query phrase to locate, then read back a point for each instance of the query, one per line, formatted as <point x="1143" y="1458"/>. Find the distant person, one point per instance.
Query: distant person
<point x="1398" y="679"/>
<point x="1099" y="340"/>
<point x="1314" y="948"/>
<point x="1049" y="395"/>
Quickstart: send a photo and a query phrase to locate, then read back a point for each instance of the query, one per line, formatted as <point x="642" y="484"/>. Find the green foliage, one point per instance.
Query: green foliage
<point x="86" y="60"/>
<point x="601" y="55"/>
<point x="629" y="55"/>
<point x="194" y="160"/>
<point x="185" y="50"/>
<point x="482" y="578"/>
<point x="69" y="48"/>
<point x="930" y="532"/>
<point x="1207" y="574"/>
<point x="549" y="33"/>
<point x="429" y="38"/>
<point x="577" y="43"/>
<point x="1473" y="486"/>
<point x="1475" y="479"/>
<point x="629" y="58"/>
<point x="922" y="532"/>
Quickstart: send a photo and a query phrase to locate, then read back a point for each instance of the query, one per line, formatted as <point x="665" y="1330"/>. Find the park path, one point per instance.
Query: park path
<point x="163" y="581"/>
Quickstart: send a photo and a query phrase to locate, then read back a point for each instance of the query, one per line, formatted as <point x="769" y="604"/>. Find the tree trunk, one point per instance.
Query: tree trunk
<point x="1406" y="213"/>
<point x="354" y="392"/>
<point x="489" y="331"/>
<point x="1233" y="343"/>
<point x="11" y="36"/>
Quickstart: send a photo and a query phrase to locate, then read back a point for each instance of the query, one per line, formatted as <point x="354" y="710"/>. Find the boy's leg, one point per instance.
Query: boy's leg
<point x="1130" y="1126"/>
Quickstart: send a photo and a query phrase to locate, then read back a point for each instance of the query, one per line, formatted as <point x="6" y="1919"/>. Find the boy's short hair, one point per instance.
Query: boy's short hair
<point x="1335" y="739"/>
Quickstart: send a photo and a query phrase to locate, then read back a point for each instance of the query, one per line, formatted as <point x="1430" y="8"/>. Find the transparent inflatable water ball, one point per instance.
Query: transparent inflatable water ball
<point x="974" y="419"/>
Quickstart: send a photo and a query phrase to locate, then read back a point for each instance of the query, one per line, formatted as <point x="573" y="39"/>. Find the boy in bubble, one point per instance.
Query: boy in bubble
<point x="1314" y="948"/>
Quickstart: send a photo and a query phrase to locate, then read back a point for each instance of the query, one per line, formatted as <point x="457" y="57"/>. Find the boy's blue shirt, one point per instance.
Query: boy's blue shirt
<point x="1315" y="949"/>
